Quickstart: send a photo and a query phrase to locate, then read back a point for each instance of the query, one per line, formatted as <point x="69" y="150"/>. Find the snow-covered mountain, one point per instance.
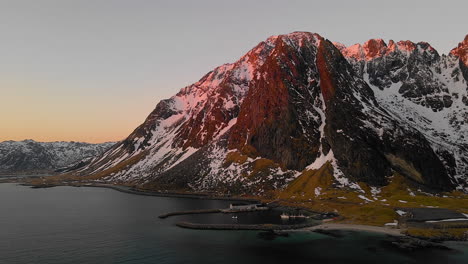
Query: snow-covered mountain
<point x="298" y="103"/>
<point x="31" y="157"/>
<point x="419" y="87"/>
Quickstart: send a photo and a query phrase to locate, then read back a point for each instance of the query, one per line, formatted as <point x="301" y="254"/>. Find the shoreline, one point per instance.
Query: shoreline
<point x="131" y="190"/>
<point x="354" y="227"/>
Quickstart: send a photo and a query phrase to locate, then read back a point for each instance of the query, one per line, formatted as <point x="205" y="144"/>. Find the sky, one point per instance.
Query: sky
<point x="92" y="70"/>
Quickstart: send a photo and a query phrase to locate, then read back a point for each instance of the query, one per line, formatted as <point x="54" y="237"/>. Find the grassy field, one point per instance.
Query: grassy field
<point x="314" y="190"/>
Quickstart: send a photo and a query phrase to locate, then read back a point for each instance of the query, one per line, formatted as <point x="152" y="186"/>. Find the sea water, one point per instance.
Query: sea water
<point x="98" y="225"/>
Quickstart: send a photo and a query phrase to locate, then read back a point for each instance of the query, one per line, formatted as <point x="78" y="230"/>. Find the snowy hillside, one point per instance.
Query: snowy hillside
<point x="423" y="89"/>
<point x="31" y="157"/>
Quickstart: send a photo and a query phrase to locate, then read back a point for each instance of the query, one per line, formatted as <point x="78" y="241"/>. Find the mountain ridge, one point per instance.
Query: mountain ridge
<point x="33" y="157"/>
<point x="294" y="103"/>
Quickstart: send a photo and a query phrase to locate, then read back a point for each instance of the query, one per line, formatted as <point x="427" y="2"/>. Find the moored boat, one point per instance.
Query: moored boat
<point x="284" y="216"/>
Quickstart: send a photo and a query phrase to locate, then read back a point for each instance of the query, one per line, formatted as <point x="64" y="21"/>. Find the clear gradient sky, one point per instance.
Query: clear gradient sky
<point x="92" y="70"/>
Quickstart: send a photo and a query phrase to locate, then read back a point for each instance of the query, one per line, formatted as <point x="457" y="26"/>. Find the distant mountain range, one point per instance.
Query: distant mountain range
<point x="29" y="157"/>
<point x="298" y="104"/>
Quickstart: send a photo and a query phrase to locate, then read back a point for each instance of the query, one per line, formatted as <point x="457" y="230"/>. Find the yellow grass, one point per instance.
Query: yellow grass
<point x="426" y="233"/>
<point x="353" y="209"/>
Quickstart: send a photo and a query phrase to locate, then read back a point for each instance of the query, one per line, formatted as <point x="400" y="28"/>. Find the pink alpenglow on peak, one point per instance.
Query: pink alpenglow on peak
<point x="461" y="51"/>
<point x="298" y="39"/>
<point x="406" y="45"/>
<point x="371" y="49"/>
<point x="374" y="48"/>
<point x="355" y="51"/>
<point x="391" y="47"/>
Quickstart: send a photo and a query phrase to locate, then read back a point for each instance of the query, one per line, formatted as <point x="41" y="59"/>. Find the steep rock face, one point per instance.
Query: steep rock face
<point x="291" y="104"/>
<point x="277" y="116"/>
<point x="424" y="90"/>
<point x="374" y="48"/>
<point x="31" y="157"/>
<point x="404" y="62"/>
<point x="369" y="144"/>
<point x="461" y="52"/>
<point x="416" y="66"/>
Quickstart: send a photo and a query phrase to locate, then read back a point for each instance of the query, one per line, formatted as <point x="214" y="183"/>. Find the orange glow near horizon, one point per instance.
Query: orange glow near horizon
<point x="31" y="112"/>
<point x="58" y="128"/>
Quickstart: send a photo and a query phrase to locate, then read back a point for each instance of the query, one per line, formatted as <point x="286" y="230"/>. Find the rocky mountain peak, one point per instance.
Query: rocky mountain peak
<point x="374" y="48"/>
<point x="355" y="52"/>
<point x="298" y="37"/>
<point x="371" y="49"/>
<point x="461" y="51"/>
<point x="401" y="46"/>
<point x="424" y="47"/>
<point x="406" y="45"/>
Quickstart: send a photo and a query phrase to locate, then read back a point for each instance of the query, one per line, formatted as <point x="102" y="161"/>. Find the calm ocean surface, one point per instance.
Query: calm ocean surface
<point x="97" y="225"/>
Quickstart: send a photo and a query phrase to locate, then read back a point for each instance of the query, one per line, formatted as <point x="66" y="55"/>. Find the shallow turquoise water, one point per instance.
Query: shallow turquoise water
<point x="96" y="225"/>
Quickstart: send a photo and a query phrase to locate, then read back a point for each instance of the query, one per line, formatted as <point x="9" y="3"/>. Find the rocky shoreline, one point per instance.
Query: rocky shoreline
<point x="410" y="244"/>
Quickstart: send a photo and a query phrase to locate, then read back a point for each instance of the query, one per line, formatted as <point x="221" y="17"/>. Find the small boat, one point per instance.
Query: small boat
<point x="297" y="216"/>
<point x="234" y="217"/>
<point x="284" y="216"/>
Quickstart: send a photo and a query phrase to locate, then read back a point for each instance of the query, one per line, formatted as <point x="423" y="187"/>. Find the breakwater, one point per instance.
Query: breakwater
<point x="265" y="227"/>
<point x="207" y="211"/>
